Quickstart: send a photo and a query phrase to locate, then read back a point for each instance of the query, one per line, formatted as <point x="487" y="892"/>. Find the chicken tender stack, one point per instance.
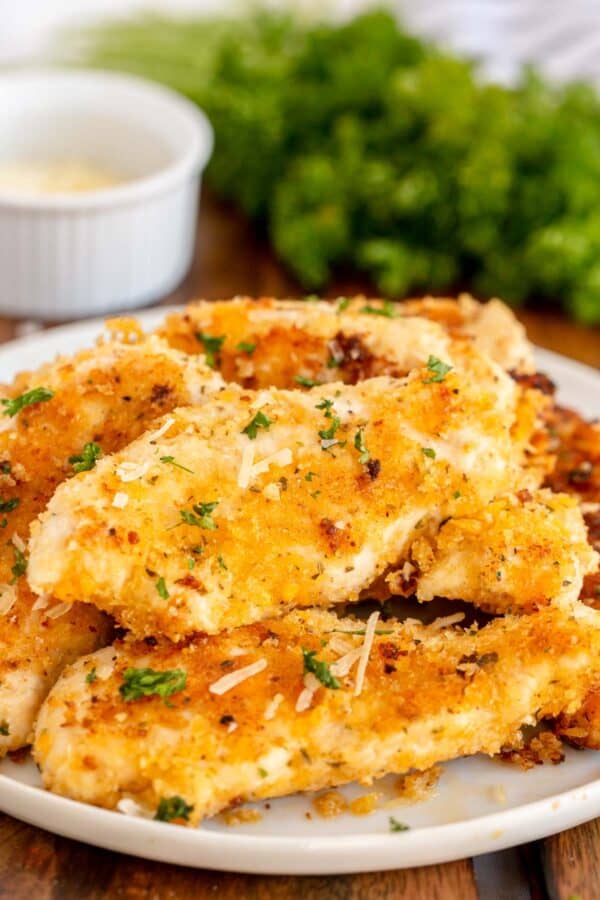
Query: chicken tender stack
<point x="342" y="450"/>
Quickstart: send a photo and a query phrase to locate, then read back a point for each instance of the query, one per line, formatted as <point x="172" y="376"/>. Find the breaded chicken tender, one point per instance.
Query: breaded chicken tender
<point x="62" y="417"/>
<point x="289" y="343"/>
<point x="302" y="703"/>
<point x="517" y="553"/>
<point x="262" y="501"/>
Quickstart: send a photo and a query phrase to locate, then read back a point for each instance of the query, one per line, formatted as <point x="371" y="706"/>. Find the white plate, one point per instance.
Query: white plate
<point x="481" y="805"/>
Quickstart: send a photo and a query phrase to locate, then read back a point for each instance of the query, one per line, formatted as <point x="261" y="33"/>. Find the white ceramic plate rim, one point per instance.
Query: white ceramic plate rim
<point x="274" y="854"/>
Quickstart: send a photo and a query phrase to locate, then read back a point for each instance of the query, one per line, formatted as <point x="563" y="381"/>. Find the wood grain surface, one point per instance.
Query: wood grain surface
<point x="35" y="865"/>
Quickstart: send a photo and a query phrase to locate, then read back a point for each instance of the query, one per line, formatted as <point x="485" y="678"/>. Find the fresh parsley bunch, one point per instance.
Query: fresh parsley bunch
<point x="357" y="145"/>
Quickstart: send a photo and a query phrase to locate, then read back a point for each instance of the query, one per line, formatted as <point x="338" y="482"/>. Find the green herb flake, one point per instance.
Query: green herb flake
<point x="212" y="346"/>
<point x="262" y="772"/>
<point x="20" y="566"/>
<point x="91" y="676"/>
<point x="343" y="304"/>
<point x="456" y="495"/>
<point x="326" y="406"/>
<point x="171" y="808"/>
<point x="429" y="452"/>
<point x="9" y="505"/>
<point x="161" y="588"/>
<point x="387" y="309"/>
<point x="35" y="395"/>
<point x="4" y="729"/>
<point x="320" y="669"/>
<point x="5" y="467"/>
<point x="309" y="476"/>
<point x="328" y="434"/>
<point x="395" y="825"/>
<point x="438" y="369"/>
<point x="191" y="563"/>
<point x="201" y="515"/>
<point x="259" y="421"/>
<point x="86" y="460"/>
<point x="221" y="562"/>
<point x="246" y="347"/>
<point x="173" y="462"/>
<point x="362" y="631"/>
<point x="138" y="683"/>
<point x="306" y="382"/>
<point x="359" y="444"/>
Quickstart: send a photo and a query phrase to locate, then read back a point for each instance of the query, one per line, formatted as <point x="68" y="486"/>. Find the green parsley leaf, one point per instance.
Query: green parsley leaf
<point x="315" y="494"/>
<point x="325" y="405"/>
<point x="440" y="370"/>
<point x="35" y="395"/>
<point x="5" y="467"/>
<point x="262" y="772"/>
<point x="139" y="683"/>
<point x="171" y="808"/>
<point x="246" y="347"/>
<point x="86" y="460"/>
<point x="343" y="303"/>
<point x="359" y="444"/>
<point x="387" y="309"/>
<point x="212" y="345"/>
<point x="320" y="669"/>
<point x="456" y="495"/>
<point x="161" y="588"/>
<point x="395" y="825"/>
<point x="259" y="421"/>
<point x="306" y="382"/>
<point x="172" y="461"/>
<point x="201" y="515"/>
<point x="9" y="505"/>
<point x="91" y="676"/>
<point x="328" y="434"/>
<point x="4" y="729"/>
<point x="309" y="476"/>
<point x="191" y="563"/>
<point x="20" y="566"/>
<point x="428" y="451"/>
<point x="221" y="562"/>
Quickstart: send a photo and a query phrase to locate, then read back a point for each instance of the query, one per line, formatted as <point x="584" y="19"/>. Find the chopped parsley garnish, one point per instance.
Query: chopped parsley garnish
<point x="20" y="566"/>
<point x="5" y="467"/>
<point x="438" y="369"/>
<point x="328" y="434"/>
<point x="306" y="382"/>
<point x="326" y="406"/>
<point x="315" y="494"/>
<point x="359" y="444"/>
<point x="343" y="304"/>
<point x="138" y="683"/>
<point x="246" y="347"/>
<point x="173" y="462"/>
<point x="86" y="460"/>
<point x="161" y="588"/>
<point x="212" y="345"/>
<point x="91" y="676"/>
<point x="191" y="563"/>
<point x="395" y="825"/>
<point x="457" y="494"/>
<point x="309" y="476"/>
<point x="4" y="729"/>
<point x="9" y="505"/>
<point x="259" y="421"/>
<point x="363" y="631"/>
<point x="221" y="562"/>
<point x="428" y="451"/>
<point x="387" y="309"/>
<point x="320" y="669"/>
<point x="35" y="395"/>
<point x="171" y="808"/>
<point x="201" y="515"/>
<point x="262" y="772"/>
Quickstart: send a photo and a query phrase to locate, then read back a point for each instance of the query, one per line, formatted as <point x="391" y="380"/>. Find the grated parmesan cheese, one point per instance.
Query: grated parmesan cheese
<point x="130" y="471"/>
<point x="305" y="697"/>
<point x="155" y="435"/>
<point x="245" y="472"/>
<point x="120" y="500"/>
<point x="272" y="492"/>
<point x="444" y="621"/>
<point x="40" y="603"/>
<point x="344" y="664"/>
<point x="18" y="542"/>
<point x="365" y="652"/>
<point x="129" y="807"/>
<point x="232" y="679"/>
<point x="8" y="598"/>
<point x="281" y="457"/>
<point x="59" y="610"/>
<point x="273" y="706"/>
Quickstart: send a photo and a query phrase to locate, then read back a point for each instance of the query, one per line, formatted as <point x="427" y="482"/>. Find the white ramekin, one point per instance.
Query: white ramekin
<point x="64" y="256"/>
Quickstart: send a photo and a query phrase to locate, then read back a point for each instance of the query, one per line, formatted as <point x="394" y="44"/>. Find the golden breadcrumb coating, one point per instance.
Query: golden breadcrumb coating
<point x="262" y="501"/>
<point x="302" y="703"/>
<point x="516" y="554"/>
<point x="268" y="342"/>
<point x="108" y="396"/>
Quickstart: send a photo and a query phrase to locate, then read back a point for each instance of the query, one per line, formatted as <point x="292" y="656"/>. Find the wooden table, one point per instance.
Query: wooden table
<point x="232" y="259"/>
